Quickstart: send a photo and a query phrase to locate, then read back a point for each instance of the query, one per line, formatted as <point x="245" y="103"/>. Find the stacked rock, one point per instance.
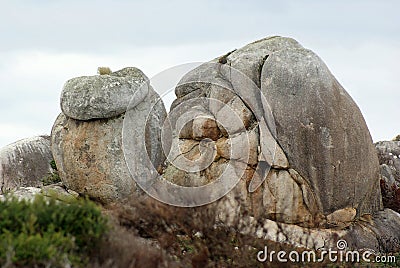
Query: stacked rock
<point x="87" y="135"/>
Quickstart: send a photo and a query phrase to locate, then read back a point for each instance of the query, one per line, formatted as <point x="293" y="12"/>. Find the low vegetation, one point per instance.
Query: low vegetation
<point x="147" y="233"/>
<point x="137" y="233"/>
<point x="45" y="232"/>
<point x="52" y="177"/>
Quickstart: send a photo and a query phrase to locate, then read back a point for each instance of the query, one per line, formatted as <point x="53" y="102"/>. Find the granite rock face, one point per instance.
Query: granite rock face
<point x="89" y="153"/>
<point x="269" y="118"/>
<point x="303" y="125"/>
<point x="25" y="163"/>
<point x="322" y="131"/>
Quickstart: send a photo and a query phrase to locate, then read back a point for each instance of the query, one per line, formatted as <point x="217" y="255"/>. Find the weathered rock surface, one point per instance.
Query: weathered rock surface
<point x="25" y="163"/>
<point x="325" y="171"/>
<point x="55" y="190"/>
<point x="100" y="96"/>
<point x="389" y="159"/>
<point x="322" y="131"/>
<point x="380" y="233"/>
<point x="90" y="159"/>
<point x="270" y="115"/>
<point x="89" y="154"/>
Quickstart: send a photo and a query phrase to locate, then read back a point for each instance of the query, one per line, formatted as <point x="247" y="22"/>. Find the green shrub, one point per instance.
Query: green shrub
<point x="53" y="165"/>
<point x="47" y="232"/>
<point x="52" y="177"/>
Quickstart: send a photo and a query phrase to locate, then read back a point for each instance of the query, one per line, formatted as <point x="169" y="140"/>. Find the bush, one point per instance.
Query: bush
<point x="46" y="232"/>
<point x="181" y="237"/>
<point x="52" y="177"/>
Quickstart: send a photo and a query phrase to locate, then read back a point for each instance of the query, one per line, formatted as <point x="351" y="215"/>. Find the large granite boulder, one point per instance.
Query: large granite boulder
<point x="25" y="163"/>
<point x="322" y="132"/>
<point x="303" y="148"/>
<point x="87" y="137"/>
<point x="389" y="160"/>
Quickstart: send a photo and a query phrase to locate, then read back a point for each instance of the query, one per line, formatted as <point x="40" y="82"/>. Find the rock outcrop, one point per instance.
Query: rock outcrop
<point x="267" y="125"/>
<point x="87" y="136"/>
<point x="303" y="128"/>
<point x="389" y="160"/>
<point x="25" y="163"/>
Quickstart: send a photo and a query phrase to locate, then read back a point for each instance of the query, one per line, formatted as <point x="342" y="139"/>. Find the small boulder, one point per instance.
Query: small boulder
<point x="25" y="163"/>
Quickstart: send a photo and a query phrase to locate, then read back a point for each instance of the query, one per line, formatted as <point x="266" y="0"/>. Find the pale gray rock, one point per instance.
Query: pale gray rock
<point x="25" y="163"/>
<point x="100" y="96"/>
<point x="57" y="191"/>
<point x="322" y="131"/>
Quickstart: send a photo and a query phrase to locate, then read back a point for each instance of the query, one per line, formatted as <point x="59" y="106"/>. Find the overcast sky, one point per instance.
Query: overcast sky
<point x="43" y="43"/>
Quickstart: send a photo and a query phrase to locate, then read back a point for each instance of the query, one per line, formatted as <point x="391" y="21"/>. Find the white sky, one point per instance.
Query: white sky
<point x="43" y="43"/>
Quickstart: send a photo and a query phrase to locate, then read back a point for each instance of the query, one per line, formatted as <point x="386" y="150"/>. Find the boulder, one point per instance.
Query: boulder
<point x="25" y="163"/>
<point x="389" y="160"/>
<point x="310" y="136"/>
<point x="322" y="131"/>
<point x="100" y="96"/>
<point x="89" y="153"/>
